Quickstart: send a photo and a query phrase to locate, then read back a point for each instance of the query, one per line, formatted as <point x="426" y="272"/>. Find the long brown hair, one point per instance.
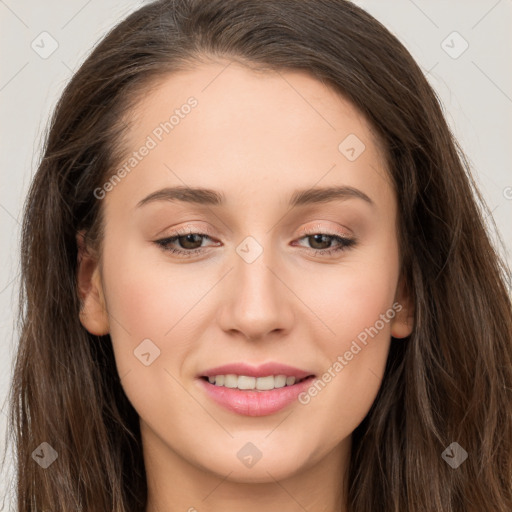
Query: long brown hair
<point x="450" y="381"/>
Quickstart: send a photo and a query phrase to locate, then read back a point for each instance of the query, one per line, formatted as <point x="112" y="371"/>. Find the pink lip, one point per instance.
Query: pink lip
<point x="256" y="371"/>
<point x="255" y="403"/>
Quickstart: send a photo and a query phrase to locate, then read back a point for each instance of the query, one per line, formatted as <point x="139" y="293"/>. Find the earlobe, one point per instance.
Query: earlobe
<point x="93" y="312"/>
<point x="403" y="322"/>
<point x="402" y="325"/>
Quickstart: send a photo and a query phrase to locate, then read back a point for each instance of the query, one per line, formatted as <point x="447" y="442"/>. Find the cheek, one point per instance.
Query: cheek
<point x="147" y="302"/>
<point x="150" y="297"/>
<point x="355" y="304"/>
<point x="151" y="317"/>
<point x="350" y="296"/>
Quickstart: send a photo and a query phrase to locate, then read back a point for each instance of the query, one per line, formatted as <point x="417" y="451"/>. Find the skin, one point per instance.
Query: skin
<point x="256" y="137"/>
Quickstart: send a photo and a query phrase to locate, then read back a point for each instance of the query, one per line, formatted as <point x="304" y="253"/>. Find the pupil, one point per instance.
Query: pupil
<point x="189" y="239"/>
<point x="318" y="239"/>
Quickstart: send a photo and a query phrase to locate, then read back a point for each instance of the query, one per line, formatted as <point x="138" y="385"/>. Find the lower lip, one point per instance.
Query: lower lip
<point x="255" y="403"/>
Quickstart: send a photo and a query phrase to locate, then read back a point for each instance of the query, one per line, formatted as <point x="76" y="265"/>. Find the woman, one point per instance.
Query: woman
<point x="343" y="339"/>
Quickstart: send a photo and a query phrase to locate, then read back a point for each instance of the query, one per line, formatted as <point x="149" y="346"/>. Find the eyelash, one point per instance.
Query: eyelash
<point x="344" y="243"/>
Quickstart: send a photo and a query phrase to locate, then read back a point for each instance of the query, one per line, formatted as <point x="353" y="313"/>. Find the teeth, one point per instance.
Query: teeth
<point x="246" y="382"/>
<point x="266" y="383"/>
<point x="290" y="381"/>
<point x="243" y="382"/>
<point x="230" y="381"/>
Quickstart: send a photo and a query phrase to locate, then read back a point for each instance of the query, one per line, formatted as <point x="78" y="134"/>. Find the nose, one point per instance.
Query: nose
<point x="258" y="300"/>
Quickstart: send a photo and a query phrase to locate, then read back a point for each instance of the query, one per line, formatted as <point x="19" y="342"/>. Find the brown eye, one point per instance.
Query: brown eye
<point x="190" y="241"/>
<point x="317" y="243"/>
<point x="321" y="243"/>
<point x="184" y="244"/>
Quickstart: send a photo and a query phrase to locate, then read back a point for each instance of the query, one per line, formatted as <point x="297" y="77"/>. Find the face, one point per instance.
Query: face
<point x="289" y="260"/>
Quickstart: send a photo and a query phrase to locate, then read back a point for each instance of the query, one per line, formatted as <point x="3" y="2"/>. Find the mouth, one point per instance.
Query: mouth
<point x="255" y="391"/>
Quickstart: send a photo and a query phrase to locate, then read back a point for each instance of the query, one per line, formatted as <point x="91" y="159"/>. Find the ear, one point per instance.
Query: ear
<point x="93" y="312"/>
<point x="403" y="322"/>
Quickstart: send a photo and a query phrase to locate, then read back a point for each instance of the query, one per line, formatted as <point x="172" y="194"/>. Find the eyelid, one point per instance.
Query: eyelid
<point x="319" y="228"/>
<point x="189" y="229"/>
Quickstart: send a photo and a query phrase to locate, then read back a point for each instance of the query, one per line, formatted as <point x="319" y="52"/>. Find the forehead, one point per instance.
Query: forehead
<point x="221" y="125"/>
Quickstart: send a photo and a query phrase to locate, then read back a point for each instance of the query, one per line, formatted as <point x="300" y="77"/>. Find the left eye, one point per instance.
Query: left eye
<point x="191" y="243"/>
<point x="325" y="238"/>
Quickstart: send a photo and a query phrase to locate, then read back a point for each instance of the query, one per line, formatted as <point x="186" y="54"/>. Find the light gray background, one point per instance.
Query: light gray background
<point x="475" y="88"/>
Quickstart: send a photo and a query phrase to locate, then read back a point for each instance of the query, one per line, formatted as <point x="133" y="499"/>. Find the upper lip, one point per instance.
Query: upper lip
<point x="262" y="370"/>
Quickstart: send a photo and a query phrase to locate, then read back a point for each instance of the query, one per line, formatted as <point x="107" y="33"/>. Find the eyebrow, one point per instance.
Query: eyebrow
<point x="210" y="197"/>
